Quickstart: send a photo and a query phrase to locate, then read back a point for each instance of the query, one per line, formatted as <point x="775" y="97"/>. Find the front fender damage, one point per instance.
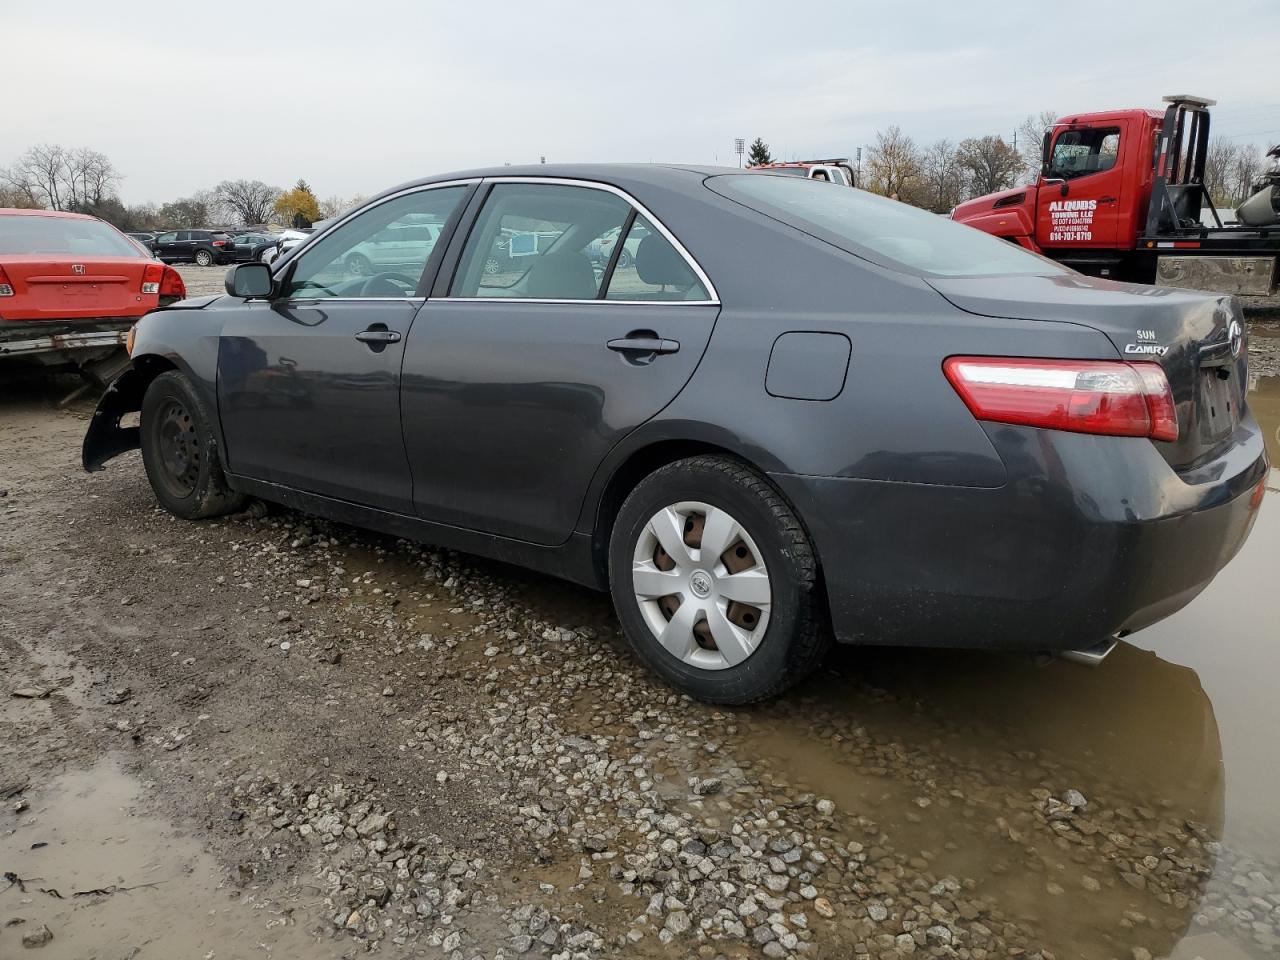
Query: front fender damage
<point x="105" y="437"/>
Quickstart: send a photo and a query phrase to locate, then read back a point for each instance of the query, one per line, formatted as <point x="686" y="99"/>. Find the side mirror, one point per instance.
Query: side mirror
<point x="249" y="280"/>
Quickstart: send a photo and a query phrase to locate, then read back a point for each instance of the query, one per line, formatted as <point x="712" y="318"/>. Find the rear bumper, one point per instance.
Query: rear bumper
<point x="1090" y="537"/>
<point x="51" y="336"/>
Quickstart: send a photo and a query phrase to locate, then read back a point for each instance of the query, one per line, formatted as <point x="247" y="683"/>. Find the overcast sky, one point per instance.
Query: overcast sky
<point x="358" y="96"/>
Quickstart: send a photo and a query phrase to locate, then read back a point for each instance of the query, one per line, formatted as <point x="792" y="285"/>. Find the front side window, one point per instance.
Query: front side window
<point x="540" y="241"/>
<point x="895" y="235"/>
<point x="1078" y="153"/>
<point x="649" y="268"/>
<point x="381" y="252"/>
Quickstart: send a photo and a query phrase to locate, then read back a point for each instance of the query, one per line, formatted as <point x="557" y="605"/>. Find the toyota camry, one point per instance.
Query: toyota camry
<point x="789" y="414"/>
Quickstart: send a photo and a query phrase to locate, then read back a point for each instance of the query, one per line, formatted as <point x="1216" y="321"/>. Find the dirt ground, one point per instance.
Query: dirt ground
<point x="268" y="735"/>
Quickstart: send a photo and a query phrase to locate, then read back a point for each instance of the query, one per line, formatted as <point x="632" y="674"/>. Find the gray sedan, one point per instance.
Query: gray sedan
<point x="790" y="414"/>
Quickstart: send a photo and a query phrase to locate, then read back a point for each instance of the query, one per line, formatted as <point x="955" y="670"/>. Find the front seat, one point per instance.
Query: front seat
<point x="567" y="275"/>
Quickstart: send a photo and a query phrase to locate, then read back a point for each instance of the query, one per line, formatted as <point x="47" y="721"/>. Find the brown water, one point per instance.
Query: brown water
<point x="160" y="894"/>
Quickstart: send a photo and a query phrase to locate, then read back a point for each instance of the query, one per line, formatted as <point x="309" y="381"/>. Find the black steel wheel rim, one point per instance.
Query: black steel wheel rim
<point x="179" y="447"/>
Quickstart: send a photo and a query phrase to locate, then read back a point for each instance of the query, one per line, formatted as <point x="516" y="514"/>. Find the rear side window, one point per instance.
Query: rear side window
<point x="892" y="234"/>
<point x="68" y="235"/>
<point x="649" y="268"/>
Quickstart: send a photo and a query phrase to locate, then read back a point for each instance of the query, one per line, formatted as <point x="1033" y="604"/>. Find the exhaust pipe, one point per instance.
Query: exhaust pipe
<point x="1090" y="656"/>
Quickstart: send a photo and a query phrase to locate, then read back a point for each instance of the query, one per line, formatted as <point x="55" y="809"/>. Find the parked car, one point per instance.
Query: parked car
<point x="202" y="247"/>
<point x="394" y="247"/>
<point x="287" y="240"/>
<point x="72" y="285"/>
<point x="601" y="250"/>
<point x="146" y="239"/>
<point x="800" y="412"/>
<point x="248" y="246"/>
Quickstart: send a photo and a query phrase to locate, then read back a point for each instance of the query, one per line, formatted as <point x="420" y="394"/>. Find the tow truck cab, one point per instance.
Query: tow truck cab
<point x="1122" y="194"/>
<point x="1090" y="202"/>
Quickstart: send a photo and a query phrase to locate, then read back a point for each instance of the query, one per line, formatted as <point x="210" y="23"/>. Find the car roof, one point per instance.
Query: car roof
<point x="619" y="174"/>
<point x="24" y="212"/>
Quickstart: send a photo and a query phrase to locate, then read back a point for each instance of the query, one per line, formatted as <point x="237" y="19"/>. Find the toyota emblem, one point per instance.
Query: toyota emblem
<point x="1235" y="333"/>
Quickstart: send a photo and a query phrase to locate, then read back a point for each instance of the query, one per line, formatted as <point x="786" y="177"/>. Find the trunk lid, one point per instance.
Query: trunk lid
<point x="1199" y="339"/>
<point x="59" y="287"/>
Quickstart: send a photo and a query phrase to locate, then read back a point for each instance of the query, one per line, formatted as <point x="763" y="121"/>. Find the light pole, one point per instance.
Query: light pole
<point x="739" y="144"/>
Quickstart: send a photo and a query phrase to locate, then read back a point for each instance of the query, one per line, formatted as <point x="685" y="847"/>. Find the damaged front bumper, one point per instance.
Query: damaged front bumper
<point x="106" y="438"/>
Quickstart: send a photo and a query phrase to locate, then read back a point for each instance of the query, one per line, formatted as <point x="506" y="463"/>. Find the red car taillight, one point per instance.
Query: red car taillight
<point x="1083" y="396"/>
<point x="171" y="285"/>
<point x="219" y="243"/>
<point x="6" y="288"/>
<point x="152" y="274"/>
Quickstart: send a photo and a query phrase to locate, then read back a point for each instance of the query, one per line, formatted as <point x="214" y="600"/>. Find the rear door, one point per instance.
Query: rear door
<point x="308" y="384"/>
<point x="518" y="382"/>
<point x="1083" y="210"/>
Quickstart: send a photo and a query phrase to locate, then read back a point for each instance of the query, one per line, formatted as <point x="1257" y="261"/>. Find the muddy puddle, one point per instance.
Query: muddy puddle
<point x="109" y="880"/>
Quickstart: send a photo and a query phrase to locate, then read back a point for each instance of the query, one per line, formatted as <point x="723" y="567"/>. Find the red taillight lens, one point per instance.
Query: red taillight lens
<point x="171" y="284"/>
<point x="219" y="243"/>
<point x="1083" y="396"/>
<point x="152" y="274"/>
<point x="6" y="288"/>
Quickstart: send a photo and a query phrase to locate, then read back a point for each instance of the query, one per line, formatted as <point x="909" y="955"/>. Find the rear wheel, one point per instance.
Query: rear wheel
<point x="204" y="258"/>
<point x="715" y="582"/>
<point x="180" y="452"/>
<point x="359" y="265"/>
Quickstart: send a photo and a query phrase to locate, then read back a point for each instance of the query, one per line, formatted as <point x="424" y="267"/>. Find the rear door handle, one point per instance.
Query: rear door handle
<point x="378" y="336"/>
<point x="652" y="344"/>
<point x="1106" y="199"/>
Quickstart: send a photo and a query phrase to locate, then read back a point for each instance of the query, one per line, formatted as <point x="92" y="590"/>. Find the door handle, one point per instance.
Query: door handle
<point x="644" y="344"/>
<point x="379" y="336"/>
<point x="1106" y="199"/>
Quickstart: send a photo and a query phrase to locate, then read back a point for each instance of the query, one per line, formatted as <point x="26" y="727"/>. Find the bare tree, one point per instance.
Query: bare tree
<point x="331" y="207"/>
<point x="990" y="164"/>
<point x="249" y="201"/>
<point x="1219" y="166"/>
<point x="91" y="178"/>
<point x="1031" y="140"/>
<point x="893" y="164"/>
<point x="942" y="180"/>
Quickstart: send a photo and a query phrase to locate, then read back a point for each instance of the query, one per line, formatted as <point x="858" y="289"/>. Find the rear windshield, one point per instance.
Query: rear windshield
<point x="892" y="234"/>
<point x="71" y="235"/>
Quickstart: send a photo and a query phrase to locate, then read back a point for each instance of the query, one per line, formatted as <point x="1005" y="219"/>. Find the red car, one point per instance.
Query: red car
<point x="72" y="285"/>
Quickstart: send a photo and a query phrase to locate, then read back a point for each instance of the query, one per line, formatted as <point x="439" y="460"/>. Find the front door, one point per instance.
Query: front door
<point x="308" y="383"/>
<point x="1083" y="209"/>
<point x="519" y="381"/>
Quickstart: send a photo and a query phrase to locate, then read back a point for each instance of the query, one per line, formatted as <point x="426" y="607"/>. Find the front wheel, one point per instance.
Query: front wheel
<point x="180" y="452"/>
<point x="715" y="582"/>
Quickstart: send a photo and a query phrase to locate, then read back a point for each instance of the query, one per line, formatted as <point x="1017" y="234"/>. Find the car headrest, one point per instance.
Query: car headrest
<point x="657" y="262"/>
<point x="563" y="276"/>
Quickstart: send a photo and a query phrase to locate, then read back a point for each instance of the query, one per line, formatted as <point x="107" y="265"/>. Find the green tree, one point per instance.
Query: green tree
<point x="758" y="153"/>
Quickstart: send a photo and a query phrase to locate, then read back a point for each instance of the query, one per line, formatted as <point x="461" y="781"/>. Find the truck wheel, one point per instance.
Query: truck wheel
<point x="715" y="582"/>
<point x="204" y="258"/>
<point x="180" y="452"/>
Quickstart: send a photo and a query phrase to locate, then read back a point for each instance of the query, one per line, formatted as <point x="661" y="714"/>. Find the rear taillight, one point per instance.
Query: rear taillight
<point x="171" y="285"/>
<point x="152" y="274"/>
<point x="6" y="288"/>
<point x="219" y="243"/>
<point x="1083" y="396"/>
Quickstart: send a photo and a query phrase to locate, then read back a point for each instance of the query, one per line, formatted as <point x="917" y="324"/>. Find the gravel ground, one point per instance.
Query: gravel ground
<point x="344" y="743"/>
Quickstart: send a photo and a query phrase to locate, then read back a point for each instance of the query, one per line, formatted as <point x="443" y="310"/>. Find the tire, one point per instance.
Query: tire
<point x="794" y="634"/>
<point x="204" y="258"/>
<point x="180" y="452"/>
<point x="360" y="265"/>
<point x="624" y="260"/>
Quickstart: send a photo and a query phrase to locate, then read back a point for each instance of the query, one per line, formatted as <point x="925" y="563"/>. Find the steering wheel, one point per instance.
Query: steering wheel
<point x="379" y="284"/>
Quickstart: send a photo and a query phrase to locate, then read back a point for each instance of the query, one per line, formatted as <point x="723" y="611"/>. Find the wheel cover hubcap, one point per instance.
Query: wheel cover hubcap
<point x="701" y="584"/>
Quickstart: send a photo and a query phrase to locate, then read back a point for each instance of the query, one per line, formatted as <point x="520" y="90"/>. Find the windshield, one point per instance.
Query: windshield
<point x="887" y="232"/>
<point x="70" y="235"/>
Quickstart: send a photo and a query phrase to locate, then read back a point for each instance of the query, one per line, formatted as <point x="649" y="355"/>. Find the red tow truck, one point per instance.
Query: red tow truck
<point x="1121" y="194"/>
